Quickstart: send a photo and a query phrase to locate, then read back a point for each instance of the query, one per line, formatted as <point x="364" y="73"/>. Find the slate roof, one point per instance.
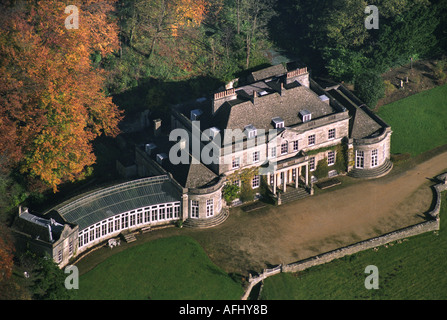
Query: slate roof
<point x="193" y="175"/>
<point x="237" y="114"/>
<point x="269" y="72"/>
<point x="105" y="203"/>
<point x="242" y="111"/>
<point x="275" y="98"/>
<point x="189" y="175"/>
<point x="362" y="125"/>
<point x="47" y="230"/>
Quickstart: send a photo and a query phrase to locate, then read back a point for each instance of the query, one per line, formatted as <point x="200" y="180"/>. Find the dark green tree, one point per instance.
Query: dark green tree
<point x="369" y="87"/>
<point x="49" y="283"/>
<point x="404" y="36"/>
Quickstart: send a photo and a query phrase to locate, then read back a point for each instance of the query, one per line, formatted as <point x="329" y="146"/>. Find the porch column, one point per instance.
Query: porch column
<point x="297" y="174"/>
<point x="284" y="180"/>
<point x="307" y="174"/>
<point x="274" y="183"/>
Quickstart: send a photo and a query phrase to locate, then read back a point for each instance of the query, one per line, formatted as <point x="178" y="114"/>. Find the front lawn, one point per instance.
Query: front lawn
<point x="164" y="269"/>
<point x="419" y="122"/>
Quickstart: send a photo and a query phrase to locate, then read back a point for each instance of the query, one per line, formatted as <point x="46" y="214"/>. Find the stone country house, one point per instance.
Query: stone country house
<point x="291" y="132"/>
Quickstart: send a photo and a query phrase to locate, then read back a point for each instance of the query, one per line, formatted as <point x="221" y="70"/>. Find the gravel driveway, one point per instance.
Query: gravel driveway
<point x="295" y="231"/>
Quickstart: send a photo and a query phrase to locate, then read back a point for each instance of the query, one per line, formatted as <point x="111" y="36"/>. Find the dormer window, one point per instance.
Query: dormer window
<point x="251" y="131"/>
<point x="195" y="114"/>
<point x="305" y="115"/>
<point x="214" y="132"/>
<point x="161" y="157"/>
<point x="278" y="122"/>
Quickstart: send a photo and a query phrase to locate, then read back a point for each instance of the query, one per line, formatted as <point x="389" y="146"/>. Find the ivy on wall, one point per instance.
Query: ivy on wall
<point x="341" y="161"/>
<point x="246" y="176"/>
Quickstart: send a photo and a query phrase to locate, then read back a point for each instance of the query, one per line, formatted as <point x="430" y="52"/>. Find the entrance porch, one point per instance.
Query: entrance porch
<point x="289" y="174"/>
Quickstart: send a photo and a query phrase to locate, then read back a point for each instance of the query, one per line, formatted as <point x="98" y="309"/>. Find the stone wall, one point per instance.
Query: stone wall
<point x="362" y="246"/>
<point x="426" y="226"/>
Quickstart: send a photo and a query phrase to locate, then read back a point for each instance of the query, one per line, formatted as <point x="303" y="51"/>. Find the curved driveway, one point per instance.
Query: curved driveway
<point x="295" y="231"/>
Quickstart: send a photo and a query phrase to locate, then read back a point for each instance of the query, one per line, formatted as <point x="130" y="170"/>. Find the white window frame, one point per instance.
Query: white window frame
<point x="285" y="147"/>
<point x="311" y="140"/>
<point x="307" y="117"/>
<point x="272" y="152"/>
<point x="210" y="207"/>
<point x="374" y="158"/>
<point x="235" y="164"/>
<point x="279" y="125"/>
<point x="161" y="212"/>
<point x="154" y="213"/>
<point x="256" y="156"/>
<point x="177" y="211"/>
<point x="252" y="133"/>
<point x="359" y="159"/>
<point x="331" y="158"/>
<point x="195" y="209"/>
<point x="256" y="182"/>
<point x="331" y="134"/>
<point x="169" y="212"/>
<point x="312" y="164"/>
<point x="295" y="145"/>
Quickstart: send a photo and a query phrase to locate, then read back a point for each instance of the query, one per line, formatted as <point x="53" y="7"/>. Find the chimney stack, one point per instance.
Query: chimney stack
<point x="301" y="75"/>
<point x="221" y="97"/>
<point x="157" y="127"/>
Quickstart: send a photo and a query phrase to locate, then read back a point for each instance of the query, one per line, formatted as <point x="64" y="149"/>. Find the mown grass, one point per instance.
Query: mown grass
<point x="419" y="122"/>
<point x="174" y="268"/>
<point x="411" y="269"/>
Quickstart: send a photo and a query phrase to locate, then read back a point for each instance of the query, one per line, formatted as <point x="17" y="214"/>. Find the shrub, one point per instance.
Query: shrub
<point x="341" y="163"/>
<point x="247" y="193"/>
<point x="230" y="192"/>
<point x="439" y="72"/>
<point x="322" y="169"/>
<point x="389" y="87"/>
<point x="369" y="87"/>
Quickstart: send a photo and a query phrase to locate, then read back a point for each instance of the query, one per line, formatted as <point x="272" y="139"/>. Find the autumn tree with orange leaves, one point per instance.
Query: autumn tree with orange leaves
<point x="52" y="104"/>
<point x="6" y="253"/>
<point x="159" y="20"/>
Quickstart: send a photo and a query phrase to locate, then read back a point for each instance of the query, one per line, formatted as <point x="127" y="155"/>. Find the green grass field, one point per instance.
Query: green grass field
<point x="175" y="268"/>
<point x="413" y="269"/>
<point x="419" y="122"/>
